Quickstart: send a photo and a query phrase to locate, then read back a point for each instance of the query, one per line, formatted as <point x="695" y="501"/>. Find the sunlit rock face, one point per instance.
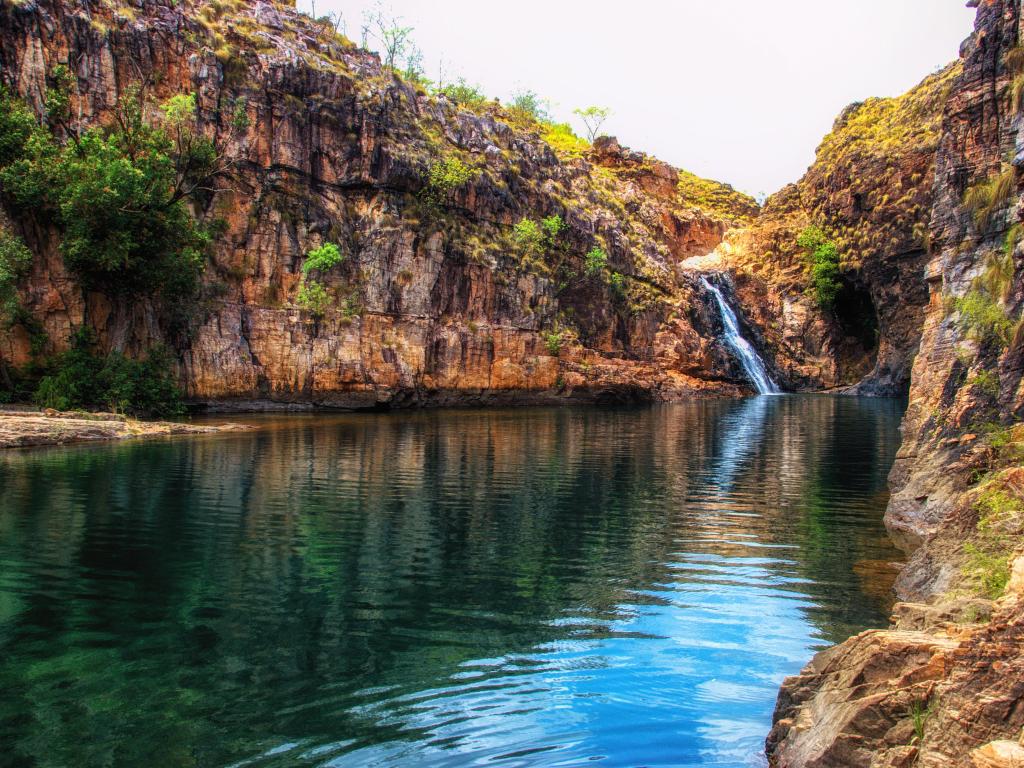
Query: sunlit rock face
<point x="944" y="686"/>
<point x="436" y="302"/>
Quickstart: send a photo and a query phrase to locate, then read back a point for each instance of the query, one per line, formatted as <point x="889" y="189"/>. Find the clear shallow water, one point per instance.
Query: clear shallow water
<point x="512" y="588"/>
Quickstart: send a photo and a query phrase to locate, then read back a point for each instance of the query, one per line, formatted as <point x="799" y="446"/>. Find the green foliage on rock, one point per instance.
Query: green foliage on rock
<point x="717" y="199"/>
<point x="982" y="315"/>
<point x="80" y="378"/>
<point x="553" y="341"/>
<point x="446" y="176"/>
<point x="988" y="555"/>
<point x="564" y="141"/>
<point x="617" y="284"/>
<point x="595" y="261"/>
<point x="983" y="318"/>
<point x="822" y="258"/>
<point x="529" y="236"/>
<point x="321" y="259"/>
<point x="240" y="114"/>
<point x="15" y="259"/>
<point x="119" y="193"/>
<point x="535" y="236"/>
<point x="553" y="226"/>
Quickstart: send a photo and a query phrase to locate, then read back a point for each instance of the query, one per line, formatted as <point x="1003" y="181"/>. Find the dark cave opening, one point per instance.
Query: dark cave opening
<point x="857" y="318"/>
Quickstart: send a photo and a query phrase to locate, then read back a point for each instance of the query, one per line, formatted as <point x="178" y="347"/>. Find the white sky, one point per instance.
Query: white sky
<point x="737" y="90"/>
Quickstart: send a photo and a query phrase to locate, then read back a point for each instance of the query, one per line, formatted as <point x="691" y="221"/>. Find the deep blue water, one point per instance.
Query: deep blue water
<point x="510" y="588"/>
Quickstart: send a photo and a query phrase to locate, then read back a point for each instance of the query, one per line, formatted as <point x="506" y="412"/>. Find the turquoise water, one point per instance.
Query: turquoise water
<point x="512" y="588"/>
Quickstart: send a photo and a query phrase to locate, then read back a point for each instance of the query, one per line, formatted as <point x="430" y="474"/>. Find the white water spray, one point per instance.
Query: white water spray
<point x="751" y="362"/>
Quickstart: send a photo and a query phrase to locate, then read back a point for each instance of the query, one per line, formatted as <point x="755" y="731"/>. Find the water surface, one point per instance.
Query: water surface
<point x="511" y="588"/>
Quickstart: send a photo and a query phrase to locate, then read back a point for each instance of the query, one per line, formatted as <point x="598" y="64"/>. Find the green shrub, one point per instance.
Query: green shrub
<point x="528" y="106"/>
<point x="444" y="177"/>
<point x="529" y="236"/>
<point x="553" y="341"/>
<point x="313" y="298"/>
<point x="595" y="262"/>
<point x="240" y="114"/>
<point x="617" y="283"/>
<point x="553" y="226"/>
<point x="822" y="258"/>
<point x="323" y="258"/>
<point x="535" y="238"/>
<point x="463" y="94"/>
<point x="81" y="379"/>
<point x="352" y="306"/>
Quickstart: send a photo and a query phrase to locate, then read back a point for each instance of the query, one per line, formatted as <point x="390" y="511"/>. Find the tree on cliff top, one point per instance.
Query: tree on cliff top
<point x="593" y="118"/>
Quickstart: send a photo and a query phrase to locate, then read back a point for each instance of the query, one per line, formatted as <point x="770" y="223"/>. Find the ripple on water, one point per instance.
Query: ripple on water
<point x="513" y="588"/>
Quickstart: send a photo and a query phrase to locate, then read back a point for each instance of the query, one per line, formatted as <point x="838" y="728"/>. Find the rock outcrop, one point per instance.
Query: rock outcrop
<point x="435" y="302"/>
<point x="945" y="685"/>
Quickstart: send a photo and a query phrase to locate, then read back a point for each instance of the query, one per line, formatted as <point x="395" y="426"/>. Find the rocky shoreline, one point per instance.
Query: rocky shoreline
<point x="29" y="428"/>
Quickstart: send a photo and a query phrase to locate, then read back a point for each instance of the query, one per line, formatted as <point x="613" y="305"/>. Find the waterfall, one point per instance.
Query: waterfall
<point x="752" y="364"/>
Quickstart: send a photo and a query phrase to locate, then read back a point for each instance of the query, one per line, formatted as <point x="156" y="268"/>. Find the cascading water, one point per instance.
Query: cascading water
<point x="752" y="364"/>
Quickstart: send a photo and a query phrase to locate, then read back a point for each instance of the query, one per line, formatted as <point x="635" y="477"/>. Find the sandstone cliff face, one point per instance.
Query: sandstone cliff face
<point x="945" y="685"/>
<point x="870" y="191"/>
<point x="435" y="303"/>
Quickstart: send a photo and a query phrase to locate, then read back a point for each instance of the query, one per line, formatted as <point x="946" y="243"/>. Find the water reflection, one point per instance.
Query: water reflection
<point x="537" y="587"/>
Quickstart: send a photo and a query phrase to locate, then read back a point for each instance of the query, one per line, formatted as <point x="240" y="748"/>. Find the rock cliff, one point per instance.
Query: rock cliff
<point x="435" y="302"/>
<point x="945" y="685"/>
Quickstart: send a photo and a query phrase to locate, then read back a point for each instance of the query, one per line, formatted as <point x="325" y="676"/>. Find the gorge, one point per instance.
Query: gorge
<point x="340" y="237"/>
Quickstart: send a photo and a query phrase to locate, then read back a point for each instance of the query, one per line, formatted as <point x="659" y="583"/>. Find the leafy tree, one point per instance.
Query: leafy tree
<point x="323" y="258"/>
<point x="593" y="118"/>
<point x="58" y="97"/>
<point x="398" y="52"/>
<point x="119" y="192"/>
